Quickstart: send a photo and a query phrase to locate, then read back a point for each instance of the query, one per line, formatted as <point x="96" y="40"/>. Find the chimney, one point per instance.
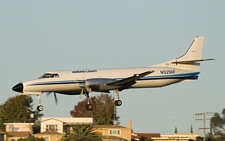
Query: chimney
<point x="129" y="124"/>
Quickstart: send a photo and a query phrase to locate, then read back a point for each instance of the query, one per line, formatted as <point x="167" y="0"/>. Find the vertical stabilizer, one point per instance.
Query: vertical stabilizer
<point x="190" y="60"/>
<point x="195" y="50"/>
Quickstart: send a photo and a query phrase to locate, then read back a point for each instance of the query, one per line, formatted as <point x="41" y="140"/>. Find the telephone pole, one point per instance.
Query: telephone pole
<point x="204" y="114"/>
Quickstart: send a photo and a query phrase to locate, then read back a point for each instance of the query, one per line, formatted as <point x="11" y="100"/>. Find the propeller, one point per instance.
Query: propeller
<point x="81" y="93"/>
<point x="56" y="100"/>
<point x="82" y="85"/>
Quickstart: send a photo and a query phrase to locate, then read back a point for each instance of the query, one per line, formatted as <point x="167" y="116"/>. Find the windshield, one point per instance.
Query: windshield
<point x="49" y="75"/>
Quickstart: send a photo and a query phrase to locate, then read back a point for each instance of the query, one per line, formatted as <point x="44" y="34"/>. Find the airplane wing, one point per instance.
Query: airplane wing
<point x="127" y="82"/>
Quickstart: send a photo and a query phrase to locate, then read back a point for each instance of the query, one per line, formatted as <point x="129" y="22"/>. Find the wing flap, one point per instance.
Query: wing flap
<point x="130" y="80"/>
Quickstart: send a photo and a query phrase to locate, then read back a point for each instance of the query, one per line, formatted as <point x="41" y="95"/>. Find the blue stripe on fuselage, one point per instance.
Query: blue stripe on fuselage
<point x="57" y="82"/>
<point x="192" y="75"/>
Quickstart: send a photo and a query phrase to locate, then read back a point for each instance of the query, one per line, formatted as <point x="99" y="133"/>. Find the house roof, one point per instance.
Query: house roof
<point x="108" y="126"/>
<point x="147" y="135"/>
<point x="51" y="119"/>
<point x="110" y="137"/>
<point x="1" y="132"/>
<point x="49" y="133"/>
<point x="18" y="123"/>
<point x="18" y="134"/>
<point x="69" y="120"/>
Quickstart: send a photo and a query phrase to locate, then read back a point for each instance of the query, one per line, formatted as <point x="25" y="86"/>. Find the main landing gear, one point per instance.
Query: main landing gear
<point x="89" y="106"/>
<point x="118" y="102"/>
<point x="39" y="107"/>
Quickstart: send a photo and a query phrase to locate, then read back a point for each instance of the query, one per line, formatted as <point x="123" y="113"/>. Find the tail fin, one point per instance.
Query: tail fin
<point x="191" y="59"/>
<point x="195" y="50"/>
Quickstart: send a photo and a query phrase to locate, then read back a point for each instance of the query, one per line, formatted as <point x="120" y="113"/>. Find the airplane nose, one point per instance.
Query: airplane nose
<point x="18" y="88"/>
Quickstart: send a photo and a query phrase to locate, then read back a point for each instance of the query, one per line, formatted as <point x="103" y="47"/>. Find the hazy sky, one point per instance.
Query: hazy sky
<point x="40" y="36"/>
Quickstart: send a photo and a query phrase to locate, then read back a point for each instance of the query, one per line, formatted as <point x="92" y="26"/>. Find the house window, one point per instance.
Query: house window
<point x="16" y="129"/>
<point x="114" y="132"/>
<point x="51" y="128"/>
<point x="47" y="138"/>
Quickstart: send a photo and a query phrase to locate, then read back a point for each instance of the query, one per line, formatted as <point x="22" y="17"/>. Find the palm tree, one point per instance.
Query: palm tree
<point x="82" y="132"/>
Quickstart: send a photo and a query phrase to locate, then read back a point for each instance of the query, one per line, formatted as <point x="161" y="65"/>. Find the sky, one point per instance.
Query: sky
<point x="40" y="36"/>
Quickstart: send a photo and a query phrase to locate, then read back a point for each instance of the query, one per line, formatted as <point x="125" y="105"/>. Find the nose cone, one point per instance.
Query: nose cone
<point x="18" y="88"/>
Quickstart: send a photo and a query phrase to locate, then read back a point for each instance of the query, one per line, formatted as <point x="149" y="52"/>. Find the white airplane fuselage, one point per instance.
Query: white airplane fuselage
<point x="75" y="82"/>
<point x="69" y="82"/>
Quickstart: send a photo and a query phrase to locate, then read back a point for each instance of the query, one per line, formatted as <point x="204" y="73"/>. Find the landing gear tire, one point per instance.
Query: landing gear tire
<point x="40" y="108"/>
<point x="89" y="107"/>
<point x="118" y="102"/>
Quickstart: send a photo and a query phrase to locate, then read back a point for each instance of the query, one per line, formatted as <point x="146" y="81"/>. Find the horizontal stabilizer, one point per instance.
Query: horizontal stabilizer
<point x="190" y="61"/>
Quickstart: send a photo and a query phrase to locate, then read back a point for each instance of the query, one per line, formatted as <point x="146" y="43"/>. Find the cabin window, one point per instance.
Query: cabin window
<point x="54" y="75"/>
<point x="49" y="75"/>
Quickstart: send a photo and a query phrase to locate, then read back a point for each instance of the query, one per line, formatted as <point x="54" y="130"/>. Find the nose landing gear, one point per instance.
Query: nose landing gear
<point x="39" y="107"/>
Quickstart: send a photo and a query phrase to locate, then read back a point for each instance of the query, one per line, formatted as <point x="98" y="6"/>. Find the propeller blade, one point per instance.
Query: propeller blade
<point x="81" y="93"/>
<point x="56" y="101"/>
<point x="48" y="93"/>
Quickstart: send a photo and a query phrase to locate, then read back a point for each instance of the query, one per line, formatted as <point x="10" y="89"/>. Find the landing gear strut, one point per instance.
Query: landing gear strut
<point x="89" y="106"/>
<point x="118" y="102"/>
<point x="39" y="107"/>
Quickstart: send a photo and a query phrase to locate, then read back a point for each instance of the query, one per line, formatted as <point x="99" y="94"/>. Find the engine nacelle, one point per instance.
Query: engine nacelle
<point x="99" y="84"/>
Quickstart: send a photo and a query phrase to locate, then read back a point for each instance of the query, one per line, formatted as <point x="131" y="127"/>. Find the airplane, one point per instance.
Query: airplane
<point x="79" y="82"/>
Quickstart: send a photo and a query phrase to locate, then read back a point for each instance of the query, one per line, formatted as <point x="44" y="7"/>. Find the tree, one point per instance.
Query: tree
<point x="32" y="138"/>
<point x="175" y="131"/>
<point x="191" y="129"/>
<point x="217" y="124"/>
<point x="82" y="132"/>
<point x="145" y="139"/>
<point x="17" y="109"/>
<point x="104" y="110"/>
<point x="80" y="109"/>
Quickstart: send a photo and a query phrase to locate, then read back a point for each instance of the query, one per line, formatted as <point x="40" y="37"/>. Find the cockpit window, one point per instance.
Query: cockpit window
<point x="49" y="75"/>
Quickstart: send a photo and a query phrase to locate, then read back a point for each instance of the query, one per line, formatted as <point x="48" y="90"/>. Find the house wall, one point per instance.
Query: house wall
<point x="18" y="127"/>
<point x="61" y="121"/>
<point x="70" y="120"/>
<point x="178" y="136"/>
<point x="124" y="132"/>
<point x="182" y="135"/>
<point x="170" y="139"/>
<point x="52" y="122"/>
<point x="51" y="137"/>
